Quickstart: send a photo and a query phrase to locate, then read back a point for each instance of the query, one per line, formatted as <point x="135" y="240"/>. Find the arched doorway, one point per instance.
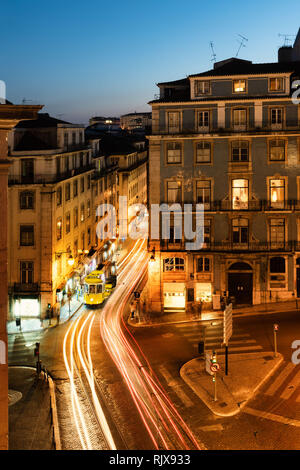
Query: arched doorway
<point x="240" y="283"/>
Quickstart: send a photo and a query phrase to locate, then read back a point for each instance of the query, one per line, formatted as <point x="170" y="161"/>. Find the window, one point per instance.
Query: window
<point x="174" y="153"/>
<point x="240" y="151"/>
<point x="89" y="236"/>
<point x="173" y="264"/>
<point x="277" y="232"/>
<point x="88" y="208"/>
<point x="26" y="235"/>
<point x="203" y="265"/>
<point x="59" y="228"/>
<point x="81" y="159"/>
<point x="68" y="222"/>
<point x="82" y="214"/>
<point x="75" y="248"/>
<point x="277" y="193"/>
<point x="203" y="120"/>
<point x="203" y="193"/>
<point x="75" y="188"/>
<point x="66" y="139"/>
<point x="83" y="241"/>
<point x="58" y="196"/>
<point x="202" y="87"/>
<point x="203" y="152"/>
<point x="75" y="216"/>
<point x="277" y="150"/>
<point x="240" y="194"/>
<point x="82" y="184"/>
<point x="240" y="230"/>
<point x="173" y="191"/>
<point x="276" y="84"/>
<point x="88" y="181"/>
<point x="68" y="192"/>
<point x="73" y="138"/>
<point x="173" y="122"/>
<point x="239" y="119"/>
<point x="27" y="200"/>
<point x="26" y="272"/>
<point x="239" y="86"/>
<point x="58" y="166"/>
<point x="276" y="115"/>
<point x="277" y="273"/>
<point x="27" y="170"/>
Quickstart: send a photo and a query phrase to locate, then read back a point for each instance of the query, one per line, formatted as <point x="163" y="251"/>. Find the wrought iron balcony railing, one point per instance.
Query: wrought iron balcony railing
<point x="288" y="246"/>
<point x="20" y="287"/>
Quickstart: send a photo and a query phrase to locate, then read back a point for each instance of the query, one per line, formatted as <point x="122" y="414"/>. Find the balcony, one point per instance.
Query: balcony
<point x="47" y="178"/>
<point x="266" y="247"/>
<point x="26" y="288"/>
<point x="260" y="205"/>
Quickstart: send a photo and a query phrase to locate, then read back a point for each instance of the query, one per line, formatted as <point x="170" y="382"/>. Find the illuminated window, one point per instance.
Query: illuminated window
<point x="207" y="232"/>
<point x="240" y="194"/>
<point x="173" y="264"/>
<point x="59" y="228"/>
<point x="239" y="86"/>
<point x="202" y="87"/>
<point x="203" y="152"/>
<point x="277" y="193"/>
<point x="173" y="152"/>
<point x="276" y="84"/>
<point x="240" y="230"/>
<point x="240" y="151"/>
<point x="88" y="208"/>
<point x="277" y="150"/>
<point x="82" y="213"/>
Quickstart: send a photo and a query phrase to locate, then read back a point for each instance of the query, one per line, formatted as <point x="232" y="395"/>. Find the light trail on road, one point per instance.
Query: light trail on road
<point x="164" y="425"/>
<point x="162" y="421"/>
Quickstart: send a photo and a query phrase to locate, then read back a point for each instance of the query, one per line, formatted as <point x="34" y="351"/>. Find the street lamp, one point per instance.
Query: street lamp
<point x="71" y="260"/>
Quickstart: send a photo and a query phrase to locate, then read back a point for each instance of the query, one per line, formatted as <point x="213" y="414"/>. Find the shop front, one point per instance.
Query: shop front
<point x="174" y="296"/>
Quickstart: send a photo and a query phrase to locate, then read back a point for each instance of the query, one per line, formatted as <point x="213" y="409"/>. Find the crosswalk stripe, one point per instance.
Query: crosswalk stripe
<point x="280" y="379"/>
<point x="271" y="416"/>
<point x="176" y="386"/>
<point x="292" y="386"/>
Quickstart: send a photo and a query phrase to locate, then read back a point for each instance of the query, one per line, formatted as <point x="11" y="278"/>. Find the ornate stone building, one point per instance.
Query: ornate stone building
<point x="229" y="138"/>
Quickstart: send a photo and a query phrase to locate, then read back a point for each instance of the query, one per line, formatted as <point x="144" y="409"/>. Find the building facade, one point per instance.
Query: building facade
<point x="136" y="121"/>
<point x="50" y="200"/>
<point x="229" y="138"/>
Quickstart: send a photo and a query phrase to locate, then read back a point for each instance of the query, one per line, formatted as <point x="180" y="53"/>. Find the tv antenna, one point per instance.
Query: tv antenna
<point x="242" y="43"/>
<point x="213" y="54"/>
<point x="287" y="40"/>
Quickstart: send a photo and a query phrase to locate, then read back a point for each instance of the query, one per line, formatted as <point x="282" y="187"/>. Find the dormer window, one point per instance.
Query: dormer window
<point x="276" y="84"/>
<point x="202" y="87"/>
<point x="239" y="86"/>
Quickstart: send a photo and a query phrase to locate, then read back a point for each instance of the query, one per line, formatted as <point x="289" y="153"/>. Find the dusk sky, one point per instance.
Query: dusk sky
<point x="82" y="59"/>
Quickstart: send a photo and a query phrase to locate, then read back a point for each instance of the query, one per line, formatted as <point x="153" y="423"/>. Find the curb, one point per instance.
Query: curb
<point x="56" y="432"/>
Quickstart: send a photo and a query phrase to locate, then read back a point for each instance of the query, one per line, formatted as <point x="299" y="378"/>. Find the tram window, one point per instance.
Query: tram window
<point x="93" y="289"/>
<point x="86" y="288"/>
<point x="99" y="289"/>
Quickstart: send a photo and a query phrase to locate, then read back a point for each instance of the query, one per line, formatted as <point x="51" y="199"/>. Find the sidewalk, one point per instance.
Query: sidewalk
<point x="36" y="324"/>
<point x="247" y="373"/>
<point x="181" y="317"/>
<point x="30" y="426"/>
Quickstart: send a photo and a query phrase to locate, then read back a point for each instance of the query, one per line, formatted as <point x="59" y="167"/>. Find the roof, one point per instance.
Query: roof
<point x="182" y="82"/>
<point x="30" y="141"/>
<point x="43" y="120"/>
<point x="114" y="145"/>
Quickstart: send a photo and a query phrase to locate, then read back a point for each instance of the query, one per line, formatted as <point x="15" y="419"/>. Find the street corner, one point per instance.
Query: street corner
<point x="226" y="395"/>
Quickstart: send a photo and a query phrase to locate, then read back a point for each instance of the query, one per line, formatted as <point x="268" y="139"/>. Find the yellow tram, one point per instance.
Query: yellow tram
<point x="99" y="284"/>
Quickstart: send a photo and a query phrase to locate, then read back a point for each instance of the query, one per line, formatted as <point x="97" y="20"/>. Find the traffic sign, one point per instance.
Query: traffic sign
<point x="276" y="327"/>
<point x="215" y="367"/>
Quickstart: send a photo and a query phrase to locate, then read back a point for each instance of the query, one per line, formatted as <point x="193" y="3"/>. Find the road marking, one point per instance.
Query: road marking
<point x="291" y="388"/>
<point x="280" y="379"/>
<point x="176" y="386"/>
<point x="271" y="416"/>
<point x="212" y="427"/>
